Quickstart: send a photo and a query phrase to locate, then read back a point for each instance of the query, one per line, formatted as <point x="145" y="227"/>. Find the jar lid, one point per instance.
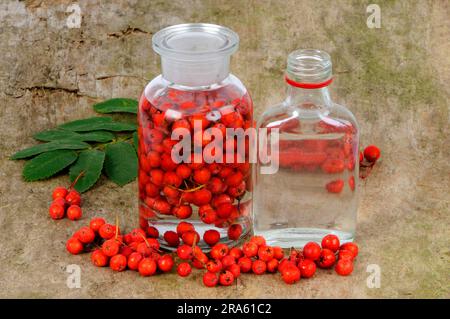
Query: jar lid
<point x="195" y="42"/>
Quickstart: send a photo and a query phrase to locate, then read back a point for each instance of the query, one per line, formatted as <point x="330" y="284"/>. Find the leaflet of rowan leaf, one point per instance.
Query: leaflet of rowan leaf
<point x="121" y="163"/>
<point x="50" y="146"/>
<point x="117" y="105"/>
<point x="96" y="124"/>
<point x="59" y="134"/>
<point x="90" y="162"/>
<point x="47" y="164"/>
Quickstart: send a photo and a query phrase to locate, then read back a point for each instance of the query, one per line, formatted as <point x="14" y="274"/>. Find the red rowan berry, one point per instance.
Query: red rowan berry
<point x="184" y="269"/>
<point x="245" y="263"/>
<point x="144" y="249"/>
<point x="60" y="201"/>
<point x="74" y="212"/>
<point x="147" y="267"/>
<point x="183" y="227"/>
<point x="344" y="267"/>
<point x="221" y="199"/>
<point x="226" y="278"/>
<point x="351" y="247"/>
<point x="331" y="242"/>
<point x="326" y="259"/>
<point x="182" y="212"/>
<point x="234" y="231"/>
<point x="126" y="251"/>
<point x="152" y="232"/>
<point x="107" y="231"/>
<point x="99" y="259"/>
<point x="56" y="211"/>
<point x="184" y="252"/>
<point x="74" y="246"/>
<point x="291" y="274"/>
<point x="118" y="262"/>
<point x="171" y="238"/>
<point x="190" y="237"/>
<point x="235" y="269"/>
<point x="372" y="153"/>
<point x="138" y="235"/>
<point x="96" y="223"/>
<point x="311" y="251"/>
<point x="165" y="263"/>
<point x="227" y="261"/>
<point x="258" y="240"/>
<point x="250" y="249"/>
<point x="284" y="263"/>
<point x="216" y="185"/>
<point x="73" y="198"/>
<point x="259" y="267"/>
<point x="210" y="279"/>
<point x="307" y="268"/>
<point x="157" y="177"/>
<point x="335" y="186"/>
<point x="183" y="171"/>
<point x="234" y="179"/>
<point x="151" y="190"/>
<point x="345" y="254"/>
<point x="214" y="265"/>
<point x="224" y="210"/>
<point x="278" y="252"/>
<point x="272" y="265"/>
<point x="59" y="192"/>
<point x="85" y="235"/>
<point x="219" y="251"/>
<point x="211" y="237"/>
<point x="172" y="179"/>
<point x="202" y="176"/>
<point x="133" y="260"/>
<point x="265" y="253"/>
<point x="110" y="247"/>
<point x="202" y="197"/>
<point x="209" y="216"/>
<point x="236" y="253"/>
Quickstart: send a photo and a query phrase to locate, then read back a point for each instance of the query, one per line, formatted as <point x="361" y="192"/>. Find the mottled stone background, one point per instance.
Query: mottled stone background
<point x="395" y="80"/>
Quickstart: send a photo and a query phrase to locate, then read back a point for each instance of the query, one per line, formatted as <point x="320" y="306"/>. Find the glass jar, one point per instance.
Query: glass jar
<point x="185" y="188"/>
<point x="314" y="189"/>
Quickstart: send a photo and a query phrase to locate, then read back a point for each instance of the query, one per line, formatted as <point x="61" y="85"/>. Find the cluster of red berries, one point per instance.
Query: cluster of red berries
<point x="136" y="250"/>
<point x="65" y="203"/>
<point x="186" y="233"/>
<point x="140" y="251"/>
<point x="303" y="264"/>
<point x="170" y="188"/>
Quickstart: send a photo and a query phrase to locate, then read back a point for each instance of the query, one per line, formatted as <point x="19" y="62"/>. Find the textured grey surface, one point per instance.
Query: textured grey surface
<point x="395" y="80"/>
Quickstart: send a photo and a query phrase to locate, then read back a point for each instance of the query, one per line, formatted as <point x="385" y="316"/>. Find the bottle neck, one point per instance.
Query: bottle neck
<point x="195" y="73"/>
<point x="309" y="99"/>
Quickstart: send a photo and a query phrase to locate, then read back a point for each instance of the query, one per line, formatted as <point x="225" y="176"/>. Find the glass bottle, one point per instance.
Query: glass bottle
<point x="182" y="193"/>
<point x="314" y="190"/>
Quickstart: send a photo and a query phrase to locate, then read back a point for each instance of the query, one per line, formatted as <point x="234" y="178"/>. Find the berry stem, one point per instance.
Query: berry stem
<point x="190" y="190"/>
<point x="76" y="180"/>
<point x="117" y="227"/>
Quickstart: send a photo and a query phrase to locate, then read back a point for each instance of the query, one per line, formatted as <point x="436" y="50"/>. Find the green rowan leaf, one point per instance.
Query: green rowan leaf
<point x="59" y="134"/>
<point x="90" y="162"/>
<point x="96" y="124"/>
<point x="117" y="105"/>
<point x="50" y="146"/>
<point x="47" y="164"/>
<point x="121" y="163"/>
